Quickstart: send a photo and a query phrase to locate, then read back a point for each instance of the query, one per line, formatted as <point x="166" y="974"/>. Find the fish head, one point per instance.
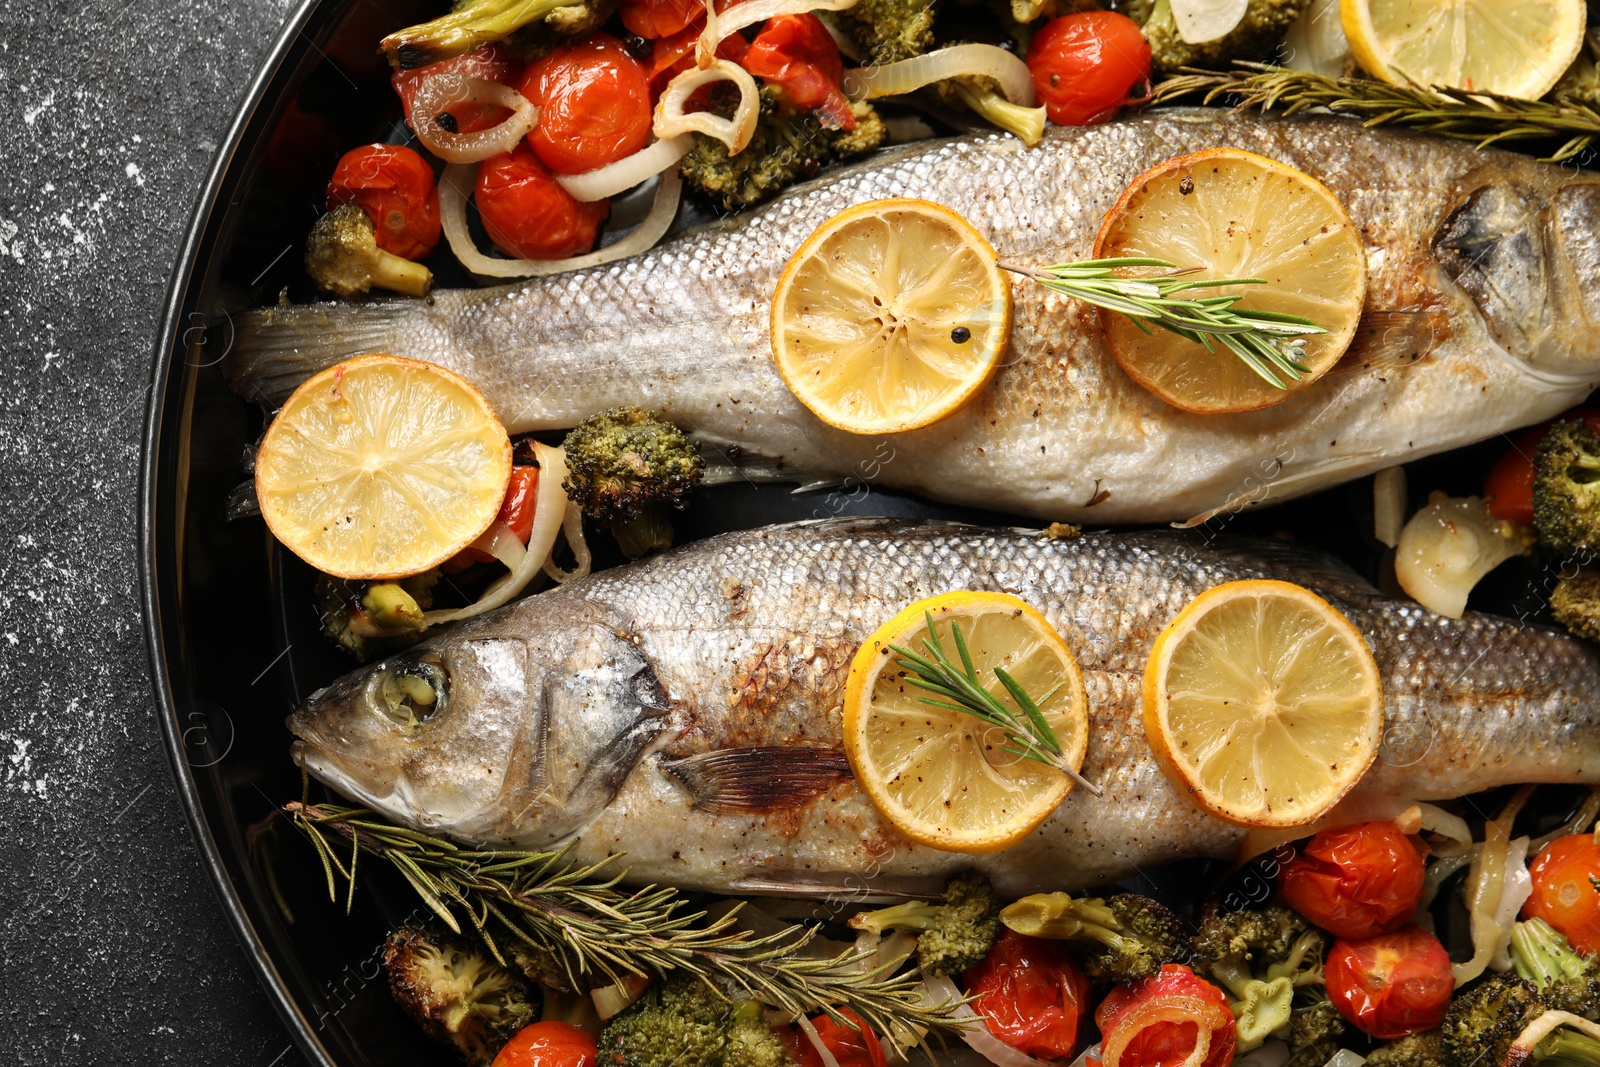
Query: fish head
<point x="1529" y="258"/>
<point x="513" y="734"/>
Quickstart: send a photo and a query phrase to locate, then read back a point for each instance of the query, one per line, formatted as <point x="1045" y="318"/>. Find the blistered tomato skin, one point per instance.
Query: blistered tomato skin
<point x="1033" y="994"/>
<point x="490" y="63"/>
<point x="548" y="1044"/>
<point x="1167" y="1043"/>
<point x="851" y="1046"/>
<point x="1086" y="65"/>
<point x="594" y="105"/>
<point x="527" y="215"/>
<point x="1564" y="894"/>
<point x="394" y="186"/>
<point x="1391" y="985"/>
<point x="1355" y="881"/>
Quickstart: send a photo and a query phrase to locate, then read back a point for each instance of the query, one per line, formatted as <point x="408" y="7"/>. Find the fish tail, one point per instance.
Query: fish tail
<point x="272" y="350"/>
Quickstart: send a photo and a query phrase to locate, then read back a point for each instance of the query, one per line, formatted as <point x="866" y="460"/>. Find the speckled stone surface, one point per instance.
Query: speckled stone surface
<point x="114" y="948"/>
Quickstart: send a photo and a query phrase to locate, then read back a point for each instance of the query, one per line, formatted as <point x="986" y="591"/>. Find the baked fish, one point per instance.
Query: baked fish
<point x="1483" y="316"/>
<point x="685" y="710"/>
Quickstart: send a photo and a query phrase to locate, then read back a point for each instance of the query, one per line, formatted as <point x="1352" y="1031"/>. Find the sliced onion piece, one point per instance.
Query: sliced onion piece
<point x="1485" y="884"/>
<point x="501" y="542"/>
<point x="1448" y="546"/>
<point x="1389" y="505"/>
<point x="1515" y="889"/>
<point x="443" y="91"/>
<point x="549" y="511"/>
<point x="672" y="121"/>
<point x="1316" y="41"/>
<point x="453" y="216"/>
<point x="1409" y="815"/>
<point x="979" y="60"/>
<point x="572" y="528"/>
<point x="1522" y="1048"/>
<point x="1200" y="21"/>
<point x="1345" y="1058"/>
<point x="973" y="1031"/>
<point x="625" y="173"/>
<point x="720" y="25"/>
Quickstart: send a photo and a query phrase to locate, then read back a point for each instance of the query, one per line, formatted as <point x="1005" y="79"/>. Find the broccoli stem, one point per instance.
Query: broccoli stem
<point x="1026" y="123"/>
<point x="1566" y="1047"/>
<point x="400" y="275"/>
<point x="1541" y="954"/>
<point x="644" y="533"/>
<point x="912" y="915"/>
<point x="478" y="23"/>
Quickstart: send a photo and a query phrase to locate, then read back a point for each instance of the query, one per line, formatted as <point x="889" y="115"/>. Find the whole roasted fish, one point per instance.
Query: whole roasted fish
<point x="1484" y="315"/>
<point x="686" y="710"/>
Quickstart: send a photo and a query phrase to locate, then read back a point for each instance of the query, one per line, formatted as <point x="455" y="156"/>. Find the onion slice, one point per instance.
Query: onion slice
<point x="1199" y="21"/>
<point x="1522" y="1048"/>
<point x="453" y="215"/>
<point x="719" y="26"/>
<point x="445" y="90"/>
<point x="980" y="60"/>
<point x="973" y="1031"/>
<point x="672" y="121"/>
<point x="1409" y="815"/>
<point x="627" y="172"/>
<point x="549" y="511"/>
<point x="1447" y="548"/>
<point x="1176" y="1009"/>
<point x="815" y="1038"/>
<point x="501" y="542"/>
<point x="572" y="528"/>
<point x="1485" y="886"/>
<point x="1389" y="505"/>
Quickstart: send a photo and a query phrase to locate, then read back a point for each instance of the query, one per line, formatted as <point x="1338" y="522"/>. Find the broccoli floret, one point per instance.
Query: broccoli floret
<point x="951" y="936"/>
<point x="785" y="149"/>
<point x="1121" y="938"/>
<point x="1575" y="602"/>
<point x="1256" y="36"/>
<point x="1315" y="1027"/>
<point x="559" y="28"/>
<point x="1566" y="980"/>
<point x="1483" y="1021"/>
<point x="369" y="620"/>
<point x="1260" y="958"/>
<point x="1567" y="1048"/>
<point x="628" y="468"/>
<point x="889" y="30"/>
<point x="1566" y="491"/>
<point x="682" y="1021"/>
<point x="1417" y="1050"/>
<point x="457" y="992"/>
<point x="475" y="23"/>
<point x="982" y="96"/>
<point x="343" y="257"/>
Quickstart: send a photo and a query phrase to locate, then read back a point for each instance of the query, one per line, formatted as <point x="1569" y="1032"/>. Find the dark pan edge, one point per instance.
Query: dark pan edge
<point x="158" y="588"/>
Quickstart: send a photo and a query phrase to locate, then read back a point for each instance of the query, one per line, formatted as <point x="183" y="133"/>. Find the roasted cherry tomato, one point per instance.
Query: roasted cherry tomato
<point x="527" y="215"/>
<point x="851" y="1047"/>
<point x="394" y="186"/>
<point x="1086" y="65"/>
<point x="1355" y="881"/>
<point x="548" y="1044"/>
<point x="516" y="511"/>
<point x="1509" y="487"/>
<point x="670" y="56"/>
<point x="594" y="105"/>
<point x="652" y="19"/>
<point x="799" y="57"/>
<point x="1390" y="985"/>
<point x="491" y="63"/>
<point x="1564" y="893"/>
<point x="1033" y="993"/>
<point x="1156" y="1021"/>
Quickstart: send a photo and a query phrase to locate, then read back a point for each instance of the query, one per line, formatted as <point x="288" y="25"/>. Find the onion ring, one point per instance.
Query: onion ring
<point x="443" y="91"/>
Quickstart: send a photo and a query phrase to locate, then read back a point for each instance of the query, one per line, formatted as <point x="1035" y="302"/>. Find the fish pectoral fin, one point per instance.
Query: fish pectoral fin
<point x="758" y="779"/>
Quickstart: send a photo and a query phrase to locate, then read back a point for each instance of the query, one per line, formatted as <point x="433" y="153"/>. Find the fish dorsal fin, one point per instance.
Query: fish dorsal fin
<point x="759" y="779"/>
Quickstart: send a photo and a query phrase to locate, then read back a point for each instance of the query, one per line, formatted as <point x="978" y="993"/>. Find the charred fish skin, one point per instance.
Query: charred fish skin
<point x="1484" y="315"/>
<point x="708" y="685"/>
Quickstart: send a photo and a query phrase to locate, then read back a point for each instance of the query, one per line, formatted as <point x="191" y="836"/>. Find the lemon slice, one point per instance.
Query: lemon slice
<point x="941" y="776"/>
<point x="890" y="316"/>
<point x="1230" y="213"/>
<point x="1263" y="702"/>
<point x="1512" y="47"/>
<point x="381" y="467"/>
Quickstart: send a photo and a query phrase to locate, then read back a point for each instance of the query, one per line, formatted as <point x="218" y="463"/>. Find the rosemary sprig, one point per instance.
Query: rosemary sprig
<point x="580" y="918"/>
<point x="1482" y="118"/>
<point x="1271" y="344"/>
<point x="1027" y="734"/>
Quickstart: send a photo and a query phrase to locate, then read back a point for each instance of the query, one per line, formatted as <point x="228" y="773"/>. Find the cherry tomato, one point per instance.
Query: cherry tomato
<point x="799" y="57"/>
<point x="1564" y="894"/>
<point x="527" y="215"/>
<point x="1033" y="993"/>
<point x="516" y="511"/>
<point x="652" y="19"/>
<point x="1509" y="487"/>
<point x="594" y="105"/>
<point x="1085" y="66"/>
<point x="1355" y="881"/>
<point x="491" y="63"/>
<point x="851" y="1047"/>
<point x="548" y="1044"/>
<point x="394" y="186"/>
<point x="1390" y="985"/>
<point x="1165" y="1042"/>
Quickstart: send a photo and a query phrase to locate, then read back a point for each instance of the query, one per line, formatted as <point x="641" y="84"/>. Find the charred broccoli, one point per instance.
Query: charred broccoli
<point x="1575" y="602"/>
<point x="889" y="30"/>
<point x="1566" y="491"/>
<point x="1417" y="1050"/>
<point x="474" y="23"/>
<point x="1260" y="958"/>
<point x="682" y="1021"/>
<point x="1483" y="1021"/>
<point x="1315" y="1027"/>
<point x="456" y="992"/>
<point x="343" y="257"/>
<point x="1256" y="36"/>
<point x="627" y="467"/>
<point x="1121" y="938"/>
<point x="369" y="620"/>
<point x="952" y="936"/>
<point x="1566" y="981"/>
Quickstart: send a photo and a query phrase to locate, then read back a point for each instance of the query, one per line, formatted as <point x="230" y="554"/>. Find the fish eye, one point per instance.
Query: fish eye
<point x="413" y="692"/>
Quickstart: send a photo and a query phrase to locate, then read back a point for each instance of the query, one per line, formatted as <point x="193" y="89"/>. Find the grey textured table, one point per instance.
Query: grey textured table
<point x="114" y="949"/>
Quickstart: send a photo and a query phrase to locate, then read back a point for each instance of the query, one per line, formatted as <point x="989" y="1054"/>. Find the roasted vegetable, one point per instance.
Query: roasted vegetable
<point x="1315" y="1027"/>
<point x="1256" y="37"/>
<point x="629" y="468"/>
<point x="1121" y="938"/>
<point x="1566" y="981"/>
<point x="370" y="620"/>
<point x="1260" y="958"/>
<point x="952" y="936"/>
<point x="1483" y="1021"/>
<point x="886" y="31"/>
<point x="475" y="23"/>
<point x="684" y="1021"/>
<point x="1566" y="491"/>
<point x="1575" y="602"/>
<point x="456" y="991"/>
<point x="1418" y="1050"/>
<point x="343" y="257"/>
